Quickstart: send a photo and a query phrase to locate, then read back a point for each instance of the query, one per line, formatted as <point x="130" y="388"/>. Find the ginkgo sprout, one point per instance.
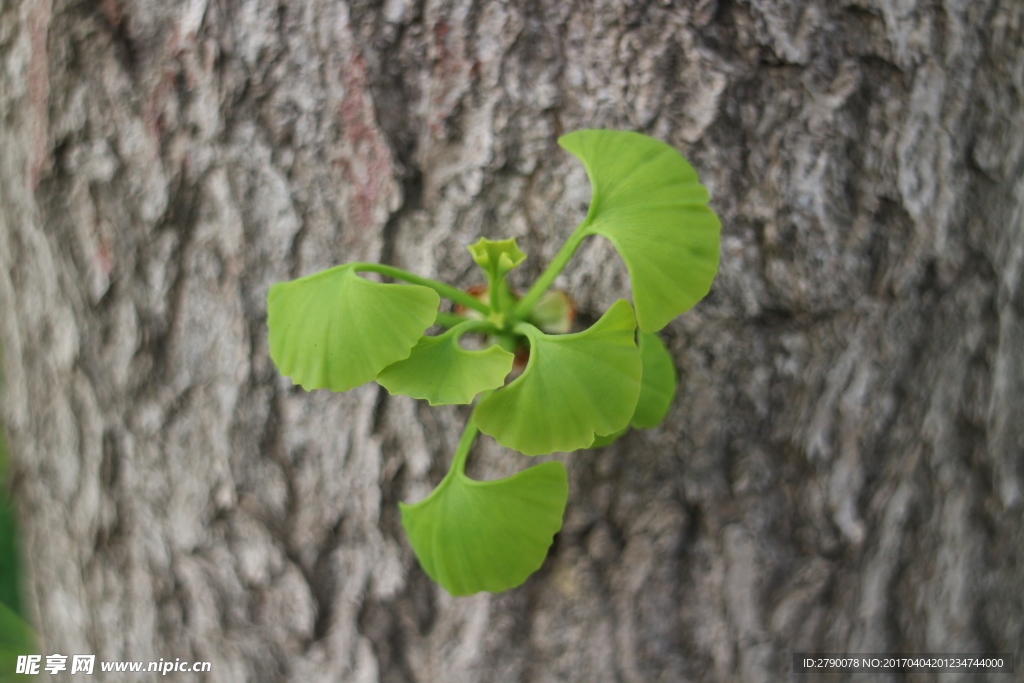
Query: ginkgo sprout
<point x="337" y="330"/>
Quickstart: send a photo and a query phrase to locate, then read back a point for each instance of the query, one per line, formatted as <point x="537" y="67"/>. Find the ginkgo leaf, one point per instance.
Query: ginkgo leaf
<point x="471" y="536"/>
<point x="574" y="386"/>
<point x="441" y="371"/>
<point x="647" y="201"/>
<point x="554" y="312"/>
<point x="337" y="330"/>
<point x="658" y="386"/>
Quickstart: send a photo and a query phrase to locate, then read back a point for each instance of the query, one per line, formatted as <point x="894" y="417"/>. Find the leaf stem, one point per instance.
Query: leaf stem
<point x="447" y="291"/>
<point x="542" y="283"/>
<point x="475" y="325"/>
<point x="448" y="319"/>
<point x="501" y="296"/>
<point x="465" y="443"/>
<point x="528" y="330"/>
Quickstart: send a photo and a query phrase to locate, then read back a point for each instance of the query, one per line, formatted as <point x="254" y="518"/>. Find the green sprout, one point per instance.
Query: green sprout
<point x="337" y="330"/>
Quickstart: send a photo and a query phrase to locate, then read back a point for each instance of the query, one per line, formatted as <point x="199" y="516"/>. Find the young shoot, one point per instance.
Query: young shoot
<point x="337" y="330"/>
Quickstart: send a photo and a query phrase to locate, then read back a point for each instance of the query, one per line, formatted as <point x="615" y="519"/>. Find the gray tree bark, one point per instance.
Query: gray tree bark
<point x="842" y="469"/>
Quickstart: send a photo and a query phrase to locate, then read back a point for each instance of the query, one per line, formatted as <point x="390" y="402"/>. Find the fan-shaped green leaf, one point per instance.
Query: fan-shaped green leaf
<point x="473" y="536"/>
<point x="441" y="371"/>
<point x="574" y="386"/>
<point x="647" y="200"/>
<point x="658" y="386"/>
<point x="337" y="330"/>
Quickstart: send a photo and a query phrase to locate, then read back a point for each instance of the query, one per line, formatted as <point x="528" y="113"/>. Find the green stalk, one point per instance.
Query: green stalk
<point x="501" y="296"/>
<point x="476" y="325"/>
<point x="448" y="319"/>
<point x="466" y="442"/>
<point x="542" y="283"/>
<point x="447" y="291"/>
<point x="528" y="330"/>
<point x="462" y="452"/>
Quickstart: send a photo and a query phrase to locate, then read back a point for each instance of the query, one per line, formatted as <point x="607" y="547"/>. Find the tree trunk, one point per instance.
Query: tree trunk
<point x="841" y="471"/>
